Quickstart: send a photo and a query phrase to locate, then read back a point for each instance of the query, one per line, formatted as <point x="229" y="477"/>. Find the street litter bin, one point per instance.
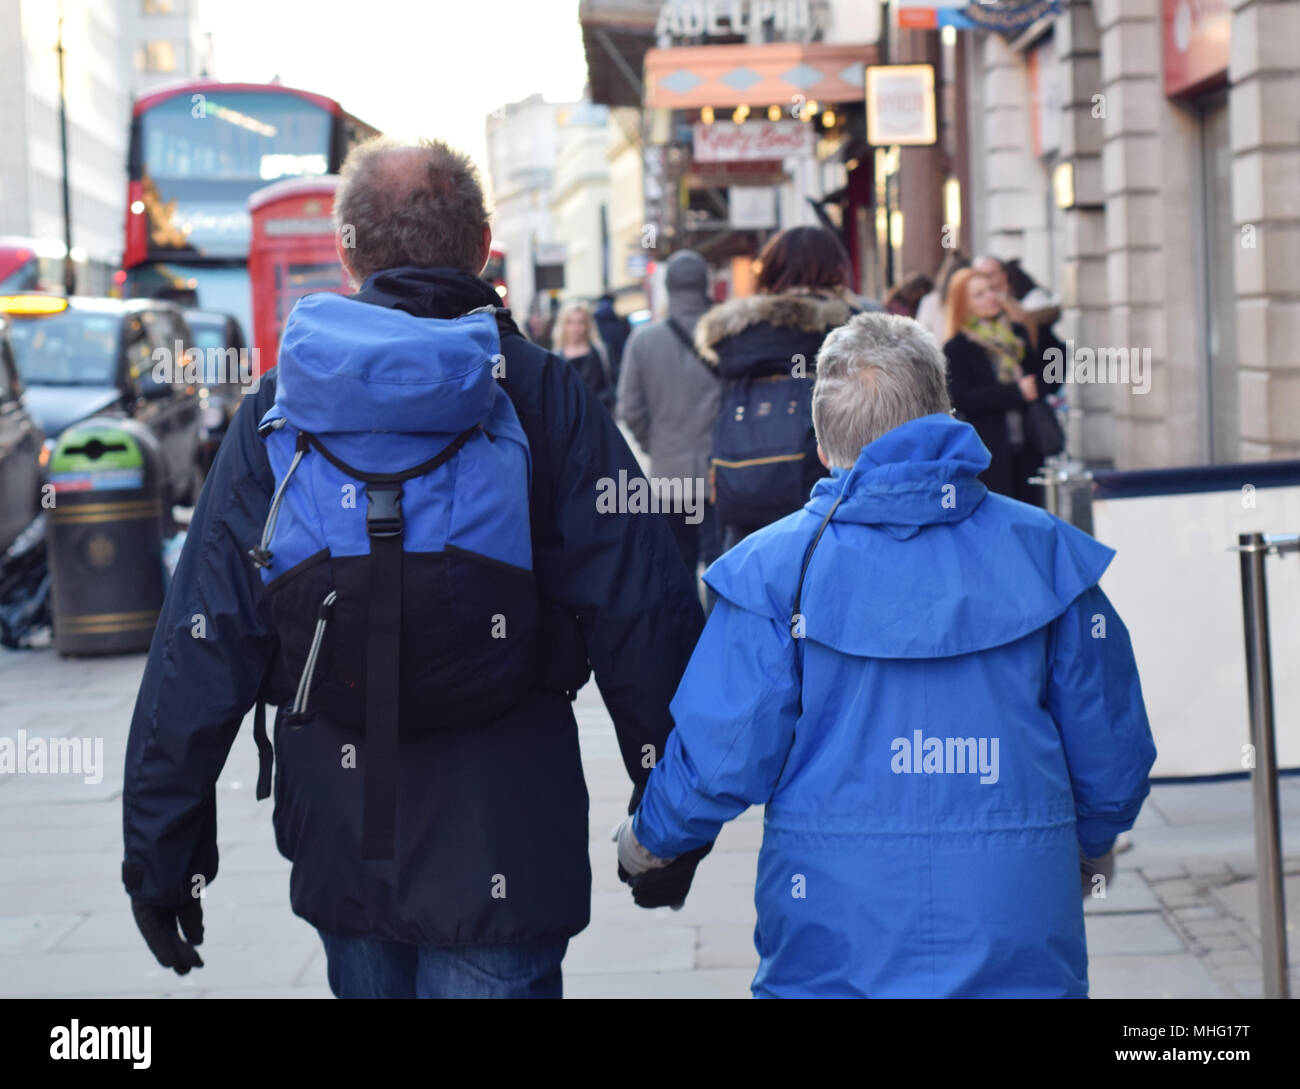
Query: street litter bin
<point x="105" y="537"/>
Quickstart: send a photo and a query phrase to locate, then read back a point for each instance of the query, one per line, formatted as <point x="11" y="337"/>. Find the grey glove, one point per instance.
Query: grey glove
<point x="632" y="857"/>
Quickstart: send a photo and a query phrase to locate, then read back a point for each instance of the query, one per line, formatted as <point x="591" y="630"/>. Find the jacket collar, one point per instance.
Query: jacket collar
<point x="924" y="472"/>
<point x="433" y="293"/>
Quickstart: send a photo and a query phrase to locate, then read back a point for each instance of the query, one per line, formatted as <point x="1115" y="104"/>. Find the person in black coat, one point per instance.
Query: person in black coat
<point x="994" y="372"/>
<point x="614" y="331"/>
<point x="491" y="874"/>
<point x="803" y="294"/>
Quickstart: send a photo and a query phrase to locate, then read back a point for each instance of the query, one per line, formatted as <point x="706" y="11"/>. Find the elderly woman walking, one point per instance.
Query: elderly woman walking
<point x="923" y="683"/>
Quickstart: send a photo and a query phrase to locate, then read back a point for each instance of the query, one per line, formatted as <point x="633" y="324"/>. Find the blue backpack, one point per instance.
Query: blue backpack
<point x="397" y="551"/>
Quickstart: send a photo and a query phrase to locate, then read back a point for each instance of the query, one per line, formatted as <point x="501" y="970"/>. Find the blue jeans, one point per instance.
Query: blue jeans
<point x="361" y="967"/>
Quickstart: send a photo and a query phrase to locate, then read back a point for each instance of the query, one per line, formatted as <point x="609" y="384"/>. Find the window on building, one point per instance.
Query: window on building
<point x="157" y="7"/>
<point x="157" y="56"/>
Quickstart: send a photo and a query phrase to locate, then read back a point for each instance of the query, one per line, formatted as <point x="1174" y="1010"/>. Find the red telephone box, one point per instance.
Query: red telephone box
<point x="290" y="254"/>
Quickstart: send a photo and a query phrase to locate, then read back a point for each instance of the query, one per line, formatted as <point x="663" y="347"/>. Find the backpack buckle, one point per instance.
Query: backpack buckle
<point x="384" y="510"/>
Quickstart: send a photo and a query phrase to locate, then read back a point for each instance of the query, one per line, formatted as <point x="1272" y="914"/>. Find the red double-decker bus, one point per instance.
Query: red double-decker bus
<point x="198" y="150"/>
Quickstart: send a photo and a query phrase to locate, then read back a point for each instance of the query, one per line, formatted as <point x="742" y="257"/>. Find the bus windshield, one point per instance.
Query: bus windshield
<point x="201" y="155"/>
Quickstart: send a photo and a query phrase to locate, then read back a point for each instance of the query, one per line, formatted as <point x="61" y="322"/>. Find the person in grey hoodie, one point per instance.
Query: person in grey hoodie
<point x="668" y="397"/>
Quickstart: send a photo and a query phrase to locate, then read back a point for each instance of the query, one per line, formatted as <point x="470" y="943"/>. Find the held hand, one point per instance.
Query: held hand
<point x="667" y="887"/>
<point x="1091" y="868"/>
<point x="633" y="859"/>
<point x="159" y="924"/>
<point x="1029" y="387"/>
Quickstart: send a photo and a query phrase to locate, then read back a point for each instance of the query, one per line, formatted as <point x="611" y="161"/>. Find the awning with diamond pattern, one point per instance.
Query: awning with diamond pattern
<point x="689" y="77"/>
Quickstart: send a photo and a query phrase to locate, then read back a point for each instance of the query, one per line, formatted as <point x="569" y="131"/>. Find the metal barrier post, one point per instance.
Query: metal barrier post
<point x="1253" y="548"/>
<point x="1056" y="472"/>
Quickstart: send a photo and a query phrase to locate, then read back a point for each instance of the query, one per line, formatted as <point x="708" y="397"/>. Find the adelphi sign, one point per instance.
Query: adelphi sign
<point x="719" y="18"/>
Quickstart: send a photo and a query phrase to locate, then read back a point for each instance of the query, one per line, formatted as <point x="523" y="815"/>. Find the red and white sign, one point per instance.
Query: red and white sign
<point x="900" y="105"/>
<point x="1197" y="35"/>
<point x="751" y="141"/>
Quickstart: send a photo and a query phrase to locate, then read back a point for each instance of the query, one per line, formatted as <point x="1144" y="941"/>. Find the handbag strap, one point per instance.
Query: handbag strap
<point x="798" y="592"/>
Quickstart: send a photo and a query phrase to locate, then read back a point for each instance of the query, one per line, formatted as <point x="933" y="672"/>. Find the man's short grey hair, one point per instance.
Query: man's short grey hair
<point x="410" y="204"/>
<point x="874" y="373"/>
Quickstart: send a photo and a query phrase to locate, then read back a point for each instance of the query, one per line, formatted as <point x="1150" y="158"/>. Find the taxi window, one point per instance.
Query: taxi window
<point x="10" y="386"/>
<point x="139" y="355"/>
<point x="70" y="348"/>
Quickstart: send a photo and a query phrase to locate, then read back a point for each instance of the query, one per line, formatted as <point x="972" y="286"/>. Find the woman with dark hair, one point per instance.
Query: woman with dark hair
<point x="994" y="373"/>
<point x="903" y="298"/>
<point x="764" y="347"/>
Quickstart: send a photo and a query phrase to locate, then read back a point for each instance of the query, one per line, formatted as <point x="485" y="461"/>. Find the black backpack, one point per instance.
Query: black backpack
<point x="764" y="450"/>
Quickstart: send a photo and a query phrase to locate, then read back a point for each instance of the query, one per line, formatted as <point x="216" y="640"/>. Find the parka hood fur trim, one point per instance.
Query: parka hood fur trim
<point x="807" y="313"/>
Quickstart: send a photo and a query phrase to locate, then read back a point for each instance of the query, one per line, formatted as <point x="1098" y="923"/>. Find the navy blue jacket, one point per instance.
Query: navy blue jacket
<point x="493" y="818"/>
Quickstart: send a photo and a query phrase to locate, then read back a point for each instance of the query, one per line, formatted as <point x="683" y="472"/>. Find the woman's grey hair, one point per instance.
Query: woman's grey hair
<point x="410" y="204"/>
<point x="874" y="373"/>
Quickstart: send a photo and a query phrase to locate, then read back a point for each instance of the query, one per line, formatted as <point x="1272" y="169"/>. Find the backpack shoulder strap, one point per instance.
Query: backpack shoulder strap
<point x="685" y="338"/>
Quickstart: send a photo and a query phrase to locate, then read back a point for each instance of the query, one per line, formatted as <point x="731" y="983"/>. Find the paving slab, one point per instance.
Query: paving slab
<point x="702" y="983"/>
<point x="600" y="949"/>
<point x="1144" y="976"/>
<point x="1130" y="935"/>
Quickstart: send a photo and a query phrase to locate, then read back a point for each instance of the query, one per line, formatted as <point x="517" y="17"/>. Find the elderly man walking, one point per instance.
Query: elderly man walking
<point x="400" y="547"/>
<point x="927" y="689"/>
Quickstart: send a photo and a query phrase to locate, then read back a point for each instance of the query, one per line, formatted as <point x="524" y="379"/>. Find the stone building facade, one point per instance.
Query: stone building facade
<point x="1159" y="198"/>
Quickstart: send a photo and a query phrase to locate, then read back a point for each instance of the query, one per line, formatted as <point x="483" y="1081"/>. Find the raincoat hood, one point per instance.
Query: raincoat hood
<point x="348" y="366"/>
<point x="919" y="560"/>
<point x="923" y="473"/>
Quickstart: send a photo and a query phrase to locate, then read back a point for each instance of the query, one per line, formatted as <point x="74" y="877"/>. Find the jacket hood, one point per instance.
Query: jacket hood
<point x="349" y="366"/>
<point x="919" y="559"/>
<point x="811" y="314"/>
<point x="923" y="473"/>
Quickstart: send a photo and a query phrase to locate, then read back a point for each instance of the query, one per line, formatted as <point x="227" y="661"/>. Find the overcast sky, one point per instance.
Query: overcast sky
<point x="409" y="67"/>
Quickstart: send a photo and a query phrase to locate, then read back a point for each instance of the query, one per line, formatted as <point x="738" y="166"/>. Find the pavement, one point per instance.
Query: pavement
<point x="1179" y="919"/>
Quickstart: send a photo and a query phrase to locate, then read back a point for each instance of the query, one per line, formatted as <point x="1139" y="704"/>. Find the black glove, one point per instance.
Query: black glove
<point x="1089" y="868"/>
<point x="158" y="925"/>
<point x="667" y="886"/>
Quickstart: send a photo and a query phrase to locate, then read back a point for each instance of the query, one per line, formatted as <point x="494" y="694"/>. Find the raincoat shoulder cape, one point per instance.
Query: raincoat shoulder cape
<point x="953" y="715"/>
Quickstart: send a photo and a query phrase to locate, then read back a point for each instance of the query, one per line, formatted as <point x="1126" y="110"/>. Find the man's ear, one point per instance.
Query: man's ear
<point x="486" y="249"/>
<point x="821" y="454"/>
<point x="345" y="260"/>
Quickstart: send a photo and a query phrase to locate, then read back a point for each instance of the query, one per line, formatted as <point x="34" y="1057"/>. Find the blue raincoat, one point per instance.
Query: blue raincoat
<point x="961" y="716"/>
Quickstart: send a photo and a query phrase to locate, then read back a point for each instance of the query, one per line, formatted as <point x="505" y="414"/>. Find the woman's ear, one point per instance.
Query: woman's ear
<point x="821" y="454"/>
